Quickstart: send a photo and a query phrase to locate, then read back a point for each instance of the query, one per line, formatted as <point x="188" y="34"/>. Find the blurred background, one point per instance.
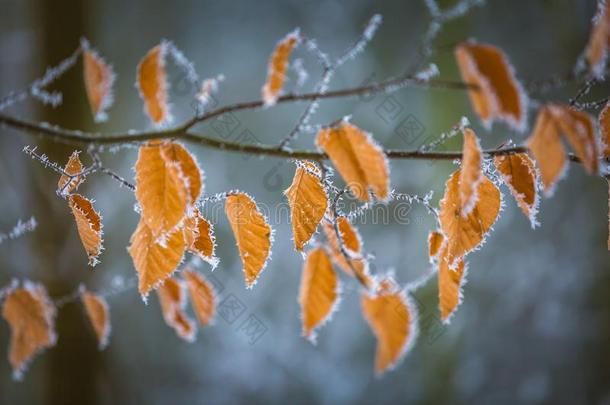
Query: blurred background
<point x="533" y="327"/>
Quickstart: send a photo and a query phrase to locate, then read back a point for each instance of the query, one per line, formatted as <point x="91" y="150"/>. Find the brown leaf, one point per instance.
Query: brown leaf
<point x="252" y="233"/>
<point x="278" y="64"/>
<point x="597" y="48"/>
<point x="202" y="295"/>
<point x="519" y="174"/>
<point x="579" y="128"/>
<point x="360" y="161"/>
<point x="450" y="283"/>
<point x="99" y="78"/>
<point x="175" y="152"/>
<point x="152" y="83"/>
<point x="604" y="126"/>
<point x="393" y="321"/>
<point x="435" y="242"/>
<point x="73" y="167"/>
<point x="31" y="316"/>
<point x="350" y="238"/>
<point x="547" y="149"/>
<point x="161" y="190"/>
<point x="89" y="225"/>
<point x="99" y="316"/>
<point x="498" y="96"/>
<point x="470" y="173"/>
<point x="154" y="262"/>
<point x="318" y="293"/>
<point x="173" y="301"/>
<point x="465" y="234"/>
<point x="199" y="237"/>
<point x="308" y="202"/>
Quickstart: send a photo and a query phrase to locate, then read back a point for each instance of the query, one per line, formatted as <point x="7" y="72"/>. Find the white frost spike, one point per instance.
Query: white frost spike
<point x="426" y="74"/>
<point x="19" y="229"/>
<point x="208" y="88"/>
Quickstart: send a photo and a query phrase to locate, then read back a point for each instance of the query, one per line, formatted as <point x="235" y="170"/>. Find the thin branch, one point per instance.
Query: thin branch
<point x="257" y="149"/>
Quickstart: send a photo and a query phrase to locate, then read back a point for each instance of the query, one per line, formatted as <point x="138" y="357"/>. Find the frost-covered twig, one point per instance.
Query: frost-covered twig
<point x="19" y="229"/>
<point x="442" y="138"/>
<point x="327" y="74"/>
<point x="36" y="89"/>
<point x="438" y="19"/>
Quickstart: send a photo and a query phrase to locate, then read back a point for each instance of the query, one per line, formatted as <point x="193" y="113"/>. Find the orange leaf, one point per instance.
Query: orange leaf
<point x="498" y="96"/>
<point x="152" y="84"/>
<point x="470" y="173"/>
<point x="177" y="153"/>
<point x="73" y="167"/>
<point x="173" y="301"/>
<point x="604" y="126"/>
<point x="579" y="128"/>
<point x="99" y="316"/>
<point x="154" y="262"/>
<point x="252" y="233"/>
<point x="199" y="237"/>
<point x="89" y="225"/>
<point x="350" y="238"/>
<point x="465" y="234"/>
<point x="435" y="242"/>
<point x="597" y="48"/>
<point x="450" y="283"/>
<point x="358" y="158"/>
<point x="160" y="189"/>
<point x="278" y="64"/>
<point x="31" y="316"/>
<point x="546" y="147"/>
<point x="308" y="202"/>
<point x="393" y="321"/>
<point x="519" y="174"/>
<point x="318" y="292"/>
<point x="99" y="78"/>
<point x="202" y="295"/>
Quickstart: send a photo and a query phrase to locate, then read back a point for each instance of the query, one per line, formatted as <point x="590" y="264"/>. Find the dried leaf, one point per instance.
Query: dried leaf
<point x="152" y="84"/>
<point x="173" y="301"/>
<point x="73" y="167"/>
<point x="350" y="238"/>
<point x="202" y="295"/>
<point x="89" y="225"/>
<point x="597" y="48"/>
<point x="547" y="149"/>
<point x="154" y="262"/>
<point x="318" y="293"/>
<point x="176" y="153"/>
<point x="31" y="316"/>
<point x="498" y="95"/>
<point x="99" y="316"/>
<point x="278" y="64"/>
<point x="308" y="202"/>
<point x="358" y="158"/>
<point x="393" y="321"/>
<point x="450" y="283"/>
<point x="470" y="173"/>
<point x="252" y="233"/>
<point x="199" y="237"/>
<point x="99" y="78"/>
<point x="435" y="242"/>
<point x="465" y="234"/>
<point x="161" y="190"/>
<point x="519" y="174"/>
<point x="579" y="128"/>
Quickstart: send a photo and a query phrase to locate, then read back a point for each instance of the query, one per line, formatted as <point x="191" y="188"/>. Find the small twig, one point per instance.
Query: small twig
<point x="19" y="229"/>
